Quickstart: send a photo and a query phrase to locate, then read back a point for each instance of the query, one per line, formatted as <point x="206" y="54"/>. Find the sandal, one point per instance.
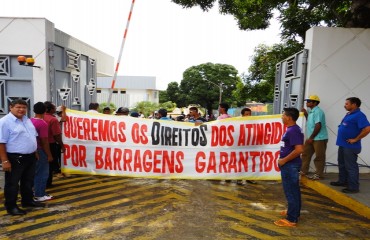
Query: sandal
<point x="285" y="223"/>
<point x="284" y="213"/>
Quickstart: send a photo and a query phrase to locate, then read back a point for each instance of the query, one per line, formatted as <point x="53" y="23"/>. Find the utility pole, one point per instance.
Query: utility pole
<point x="220" y="89"/>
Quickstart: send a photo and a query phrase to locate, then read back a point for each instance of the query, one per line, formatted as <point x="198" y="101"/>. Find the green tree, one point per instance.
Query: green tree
<point x="259" y="82"/>
<point x="203" y="85"/>
<point x="295" y="17"/>
<point x="146" y="107"/>
<point x="169" y="106"/>
<point x="174" y="94"/>
<point x="163" y="96"/>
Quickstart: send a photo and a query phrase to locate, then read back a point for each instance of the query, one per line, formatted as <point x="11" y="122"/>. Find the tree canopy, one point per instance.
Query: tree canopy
<point x="259" y="82"/>
<point x="295" y="17"/>
<point x="202" y="84"/>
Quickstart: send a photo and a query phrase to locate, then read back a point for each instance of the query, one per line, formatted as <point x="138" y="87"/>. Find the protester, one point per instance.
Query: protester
<point x="195" y="117"/>
<point x="134" y="114"/>
<point x="17" y="152"/>
<point x="353" y="127"/>
<point x="290" y="164"/>
<point x="245" y="112"/>
<point x="55" y="141"/>
<point x="122" y="111"/>
<point x="106" y="110"/>
<point x="180" y="118"/>
<point x="317" y="138"/>
<point x="222" y="109"/>
<point x="93" y="108"/>
<point x="153" y="115"/>
<point x="61" y="114"/>
<point x="162" y="115"/>
<point x="43" y="155"/>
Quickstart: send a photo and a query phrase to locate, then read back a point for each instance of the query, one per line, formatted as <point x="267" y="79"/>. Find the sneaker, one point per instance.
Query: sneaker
<point x="285" y="223"/>
<point x="314" y="177"/>
<point x="43" y="199"/>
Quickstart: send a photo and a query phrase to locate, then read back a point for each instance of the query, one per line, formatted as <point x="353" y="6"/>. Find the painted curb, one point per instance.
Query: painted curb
<point x="337" y="197"/>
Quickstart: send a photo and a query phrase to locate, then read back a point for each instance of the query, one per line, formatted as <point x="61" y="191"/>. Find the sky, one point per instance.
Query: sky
<point x="163" y="39"/>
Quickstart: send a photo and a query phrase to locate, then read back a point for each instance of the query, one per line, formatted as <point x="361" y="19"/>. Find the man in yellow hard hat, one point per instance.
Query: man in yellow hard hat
<point x="316" y="138"/>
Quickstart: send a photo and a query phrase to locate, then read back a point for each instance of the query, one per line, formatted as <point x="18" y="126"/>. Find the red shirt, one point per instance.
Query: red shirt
<point x="54" y="127"/>
<point x="42" y="130"/>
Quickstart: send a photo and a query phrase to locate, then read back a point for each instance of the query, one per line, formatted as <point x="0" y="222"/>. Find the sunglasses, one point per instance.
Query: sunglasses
<point x="309" y="101"/>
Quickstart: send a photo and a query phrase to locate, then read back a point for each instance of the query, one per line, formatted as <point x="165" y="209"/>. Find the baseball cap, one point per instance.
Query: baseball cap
<point x="134" y="114"/>
<point x="313" y="98"/>
<point x="122" y="110"/>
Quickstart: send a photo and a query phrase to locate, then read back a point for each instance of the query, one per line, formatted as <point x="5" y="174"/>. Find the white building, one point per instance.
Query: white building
<point x="66" y="70"/>
<point x="128" y="90"/>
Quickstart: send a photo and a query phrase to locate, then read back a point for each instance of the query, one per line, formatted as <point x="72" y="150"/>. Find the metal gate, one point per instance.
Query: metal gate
<point x="71" y="80"/>
<point x="290" y="80"/>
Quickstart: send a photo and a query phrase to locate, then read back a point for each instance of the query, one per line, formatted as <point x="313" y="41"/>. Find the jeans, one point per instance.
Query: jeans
<point x="348" y="167"/>
<point x="21" y="176"/>
<point x="292" y="190"/>
<point x="42" y="174"/>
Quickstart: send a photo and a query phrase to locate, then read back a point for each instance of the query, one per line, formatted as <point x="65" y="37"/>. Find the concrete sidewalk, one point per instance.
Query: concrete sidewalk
<point x="358" y="202"/>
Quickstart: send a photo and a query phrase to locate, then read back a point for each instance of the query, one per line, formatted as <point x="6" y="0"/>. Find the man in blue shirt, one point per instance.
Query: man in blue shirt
<point x="317" y="138"/>
<point x="351" y="130"/>
<point x="162" y="115"/>
<point x="17" y="153"/>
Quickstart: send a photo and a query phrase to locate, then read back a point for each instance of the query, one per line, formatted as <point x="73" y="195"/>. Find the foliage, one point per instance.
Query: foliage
<point x="169" y="106"/>
<point x="259" y="83"/>
<point x="202" y="85"/>
<point x="163" y="96"/>
<point x="295" y="17"/>
<point x="146" y="107"/>
<point x="104" y="104"/>
<point x="174" y="94"/>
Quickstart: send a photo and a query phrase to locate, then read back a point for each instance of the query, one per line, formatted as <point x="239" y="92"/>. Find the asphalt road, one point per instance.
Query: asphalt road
<point x="99" y="207"/>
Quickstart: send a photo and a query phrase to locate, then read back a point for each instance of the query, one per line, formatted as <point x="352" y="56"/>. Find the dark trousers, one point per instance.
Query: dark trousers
<point x="348" y="167"/>
<point x="54" y="166"/>
<point x="20" y="177"/>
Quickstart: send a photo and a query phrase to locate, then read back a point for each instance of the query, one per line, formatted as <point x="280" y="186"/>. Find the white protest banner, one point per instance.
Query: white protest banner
<point x="234" y="148"/>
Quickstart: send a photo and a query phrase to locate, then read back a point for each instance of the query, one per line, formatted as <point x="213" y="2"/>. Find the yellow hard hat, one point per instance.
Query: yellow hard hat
<point x="313" y="98"/>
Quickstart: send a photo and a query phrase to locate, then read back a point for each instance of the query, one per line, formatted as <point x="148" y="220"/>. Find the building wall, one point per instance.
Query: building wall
<point x="339" y="67"/>
<point x="68" y="67"/>
<point x="128" y="91"/>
